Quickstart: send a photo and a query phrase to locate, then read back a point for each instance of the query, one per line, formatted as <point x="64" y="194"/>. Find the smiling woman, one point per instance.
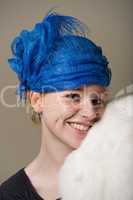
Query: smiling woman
<point x="69" y="114"/>
<point x="65" y="77"/>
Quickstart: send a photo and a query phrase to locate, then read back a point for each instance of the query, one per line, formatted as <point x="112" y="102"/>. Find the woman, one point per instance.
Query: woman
<point x="64" y="75"/>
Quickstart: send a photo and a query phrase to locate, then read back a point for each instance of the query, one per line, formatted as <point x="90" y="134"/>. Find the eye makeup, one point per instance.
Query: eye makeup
<point x="74" y="96"/>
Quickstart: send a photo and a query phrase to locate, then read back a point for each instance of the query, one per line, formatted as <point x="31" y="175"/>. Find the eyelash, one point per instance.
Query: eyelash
<point x="74" y="96"/>
<point x="96" y="101"/>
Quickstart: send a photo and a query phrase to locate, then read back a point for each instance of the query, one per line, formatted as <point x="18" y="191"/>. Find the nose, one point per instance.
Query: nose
<point x="88" y="111"/>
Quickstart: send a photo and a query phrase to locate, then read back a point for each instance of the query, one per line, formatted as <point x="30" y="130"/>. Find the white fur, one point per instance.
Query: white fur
<point x="102" y="167"/>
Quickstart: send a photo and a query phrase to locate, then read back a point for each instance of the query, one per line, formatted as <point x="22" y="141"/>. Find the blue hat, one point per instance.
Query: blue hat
<point x="56" y="56"/>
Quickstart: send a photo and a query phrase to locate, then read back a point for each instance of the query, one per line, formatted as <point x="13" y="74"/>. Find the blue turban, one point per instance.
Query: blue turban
<point x="56" y="56"/>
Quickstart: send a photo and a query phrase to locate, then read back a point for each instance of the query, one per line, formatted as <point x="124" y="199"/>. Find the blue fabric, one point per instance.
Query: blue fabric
<point x="56" y="55"/>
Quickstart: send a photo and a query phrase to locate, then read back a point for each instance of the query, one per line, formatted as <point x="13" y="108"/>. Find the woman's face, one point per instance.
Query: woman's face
<point x="69" y="115"/>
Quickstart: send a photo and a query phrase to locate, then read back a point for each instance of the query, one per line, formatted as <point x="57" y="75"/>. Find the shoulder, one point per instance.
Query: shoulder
<point x="14" y="187"/>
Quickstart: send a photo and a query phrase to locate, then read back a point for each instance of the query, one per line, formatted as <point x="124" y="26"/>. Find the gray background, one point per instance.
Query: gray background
<point x="110" y="26"/>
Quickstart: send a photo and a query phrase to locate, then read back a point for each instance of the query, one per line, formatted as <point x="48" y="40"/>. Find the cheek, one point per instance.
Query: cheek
<point x="69" y="110"/>
<point x="101" y="111"/>
<point x="50" y="113"/>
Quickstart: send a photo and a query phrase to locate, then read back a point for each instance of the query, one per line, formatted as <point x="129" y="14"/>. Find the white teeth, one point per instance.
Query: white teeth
<point x="79" y="126"/>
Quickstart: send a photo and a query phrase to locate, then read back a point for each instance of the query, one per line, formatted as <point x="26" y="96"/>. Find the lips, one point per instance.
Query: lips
<point x="80" y="126"/>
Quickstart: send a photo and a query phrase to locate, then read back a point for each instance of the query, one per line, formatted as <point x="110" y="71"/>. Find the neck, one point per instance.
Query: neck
<point x="53" y="152"/>
<point x="51" y="156"/>
<point x="44" y="170"/>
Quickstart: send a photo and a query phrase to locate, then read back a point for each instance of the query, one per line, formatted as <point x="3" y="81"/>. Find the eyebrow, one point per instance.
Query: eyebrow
<point x="79" y="89"/>
<point x="82" y="88"/>
<point x="74" y="90"/>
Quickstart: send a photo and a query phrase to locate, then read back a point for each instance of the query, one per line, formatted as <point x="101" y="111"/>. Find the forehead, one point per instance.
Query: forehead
<point x="89" y="89"/>
<point x="93" y="90"/>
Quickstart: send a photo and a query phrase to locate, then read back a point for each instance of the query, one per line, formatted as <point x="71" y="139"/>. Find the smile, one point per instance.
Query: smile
<point x="78" y="126"/>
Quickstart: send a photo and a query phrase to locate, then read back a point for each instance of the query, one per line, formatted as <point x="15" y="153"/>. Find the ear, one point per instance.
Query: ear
<point x="36" y="101"/>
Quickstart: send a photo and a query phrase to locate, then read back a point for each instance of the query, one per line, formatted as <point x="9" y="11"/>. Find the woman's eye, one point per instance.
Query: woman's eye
<point x="75" y="97"/>
<point x="96" y="101"/>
